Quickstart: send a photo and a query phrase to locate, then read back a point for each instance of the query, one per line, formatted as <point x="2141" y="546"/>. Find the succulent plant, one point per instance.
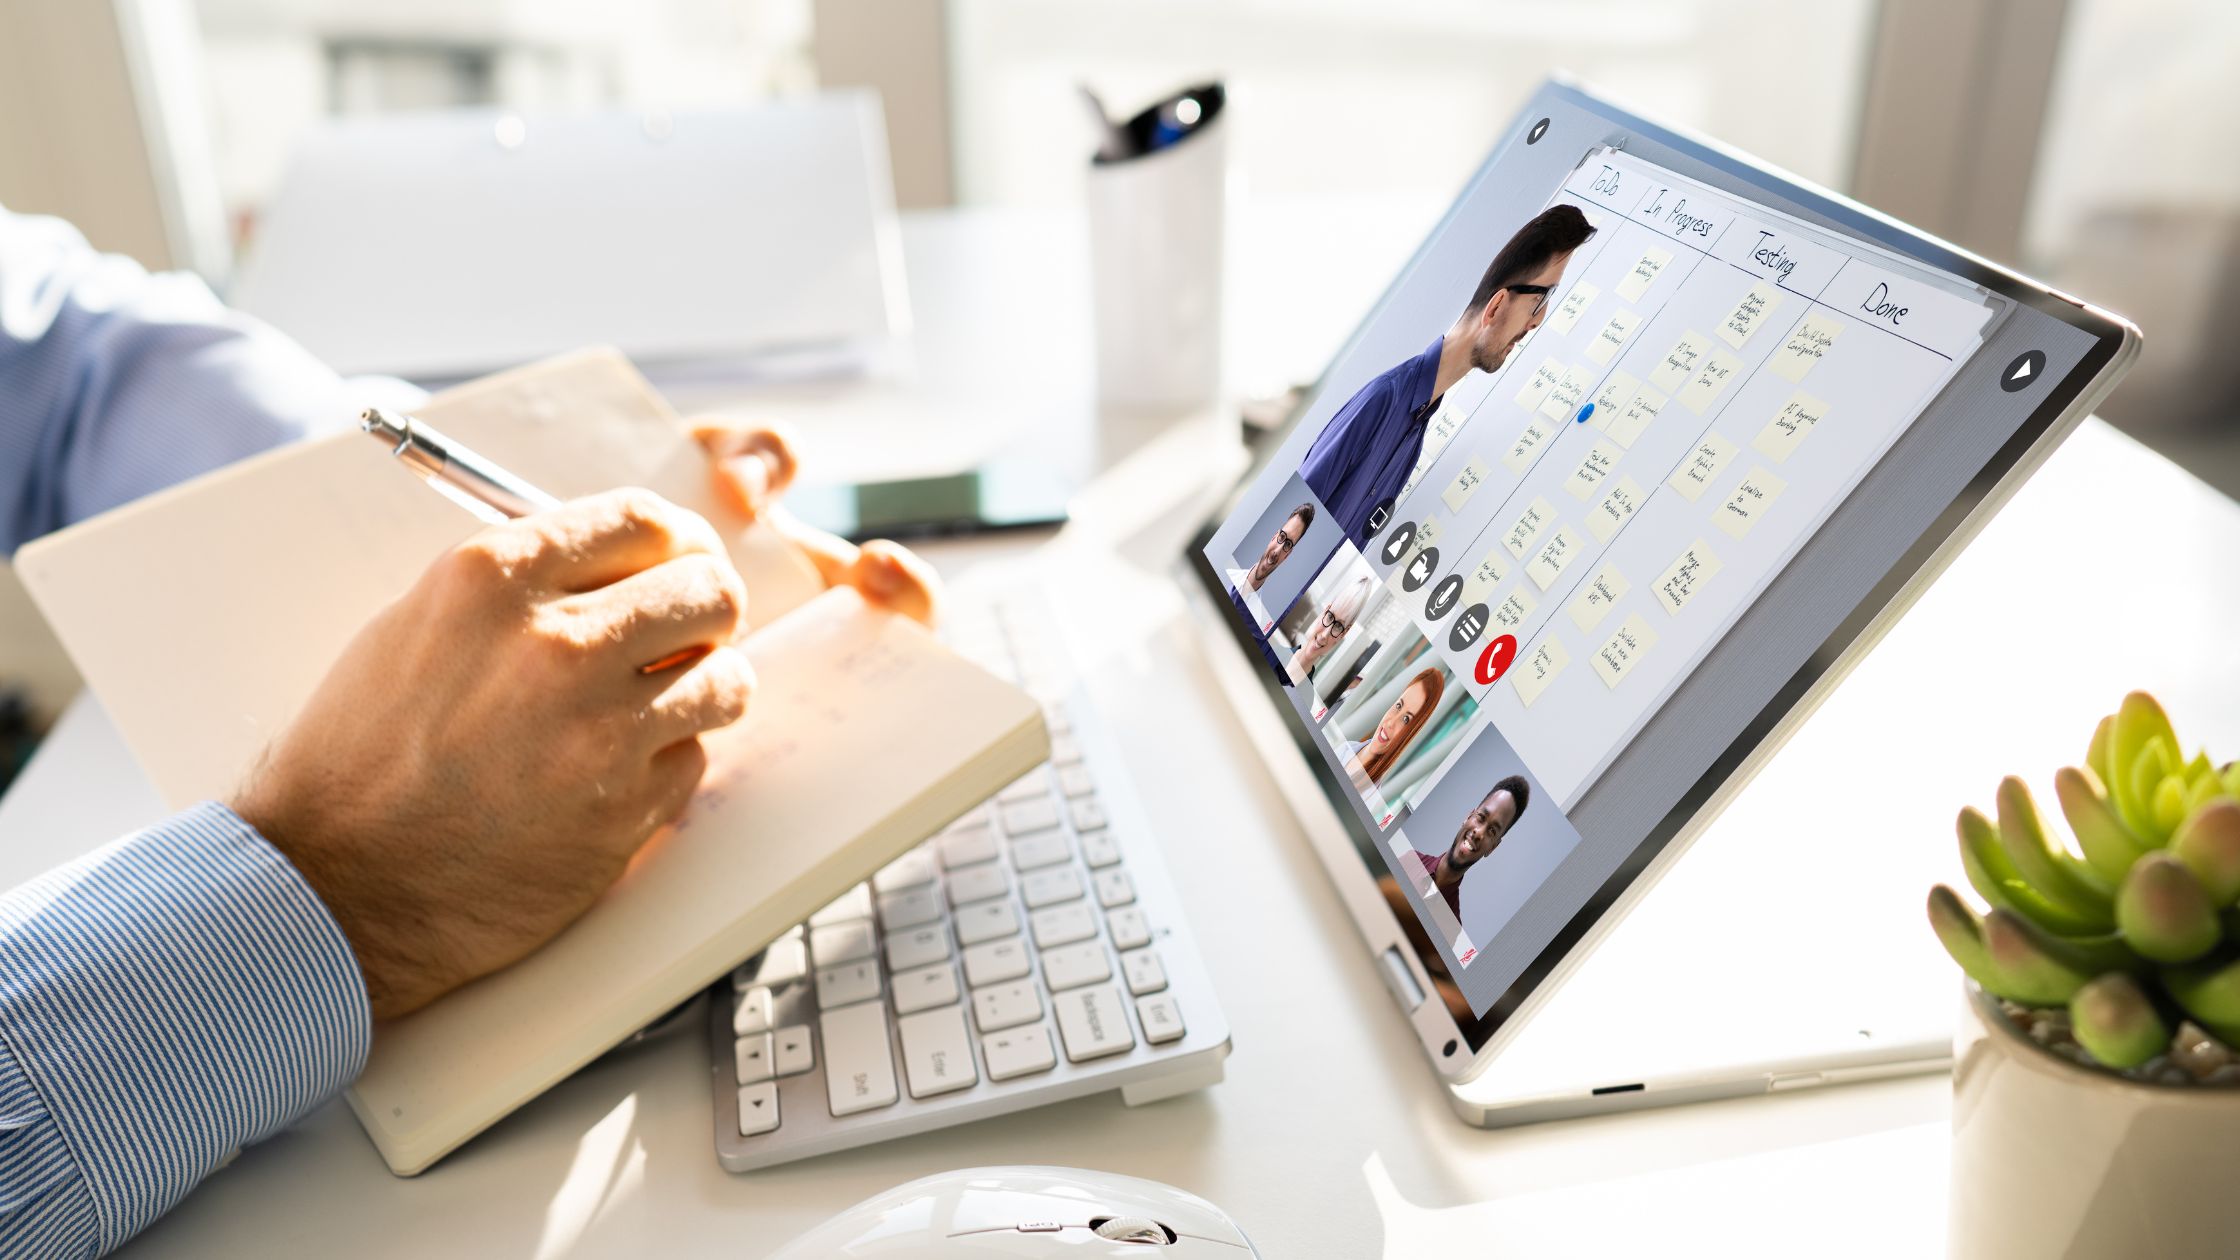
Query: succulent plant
<point x="2134" y="929"/>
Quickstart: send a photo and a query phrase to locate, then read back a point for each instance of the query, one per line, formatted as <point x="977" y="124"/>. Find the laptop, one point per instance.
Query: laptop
<point x="1509" y="627"/>
<point x="1549" y="585"/>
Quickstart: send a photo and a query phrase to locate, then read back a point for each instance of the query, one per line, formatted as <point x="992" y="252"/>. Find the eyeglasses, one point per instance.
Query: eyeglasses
<point x="1331" y="624"/>
<point x="1530" y="290"/>
<point x="1283" y="544"/>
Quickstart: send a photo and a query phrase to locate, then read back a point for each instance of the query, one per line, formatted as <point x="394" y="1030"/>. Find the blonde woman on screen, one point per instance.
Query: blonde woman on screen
<point x="1330" y="627"/>
<point x="1373" y="757"/>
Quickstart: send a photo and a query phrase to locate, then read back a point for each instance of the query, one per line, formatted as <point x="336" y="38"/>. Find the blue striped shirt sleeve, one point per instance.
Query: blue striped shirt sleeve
<point x="163" y="1001"/>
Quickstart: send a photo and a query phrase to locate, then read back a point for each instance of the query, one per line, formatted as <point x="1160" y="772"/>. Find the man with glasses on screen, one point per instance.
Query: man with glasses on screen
<point x="1245" y="584"/>
<point x="1364" y="455"/>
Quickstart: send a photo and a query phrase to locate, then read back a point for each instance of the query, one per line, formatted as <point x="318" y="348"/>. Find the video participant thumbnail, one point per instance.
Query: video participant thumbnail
<point x="1280" y="552"/>
<point x="1480" y="843"/>
<point x="1392" y="731"/>
<point x="1308" y="639"/>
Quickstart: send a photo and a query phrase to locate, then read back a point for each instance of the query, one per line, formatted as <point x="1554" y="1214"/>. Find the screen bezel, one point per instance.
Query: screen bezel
<point x="2111" y="335"/>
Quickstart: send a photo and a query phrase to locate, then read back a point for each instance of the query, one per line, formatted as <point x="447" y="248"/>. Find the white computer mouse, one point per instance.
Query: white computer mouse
<point x="1070" y="1213"/>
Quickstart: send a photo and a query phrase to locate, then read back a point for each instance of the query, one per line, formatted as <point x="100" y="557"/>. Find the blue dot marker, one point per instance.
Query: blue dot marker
<point x="1585" y="411"/>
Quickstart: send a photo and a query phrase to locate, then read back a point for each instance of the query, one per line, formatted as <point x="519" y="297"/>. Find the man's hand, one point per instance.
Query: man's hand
<point x="753" y="465"/>
<point x="487" y="755"/>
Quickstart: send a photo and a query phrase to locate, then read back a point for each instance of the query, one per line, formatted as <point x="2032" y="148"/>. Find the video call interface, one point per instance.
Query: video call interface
<point x="1575" y="444"/>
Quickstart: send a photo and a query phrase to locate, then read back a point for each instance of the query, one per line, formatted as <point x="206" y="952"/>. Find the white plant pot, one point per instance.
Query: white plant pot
<point x="2050" y="1159"/>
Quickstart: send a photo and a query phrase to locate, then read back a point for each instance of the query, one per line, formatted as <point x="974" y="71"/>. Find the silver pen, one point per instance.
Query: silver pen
<point x="452" y="470"/>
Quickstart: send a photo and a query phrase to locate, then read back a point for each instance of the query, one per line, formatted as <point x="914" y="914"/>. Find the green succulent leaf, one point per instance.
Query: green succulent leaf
<point x="2139" y="723"/>
<point x="1995" y="879"/>
<point x="2210" y="992"/>
<point x="2092" y="955"/>
<point x="2208" y="842"/>
<point x="2164" y="912"/>
<point x="2117" y="1022"/>
<point x="2026" y="972"/>
<point x="2097" y="755"/>
<point x="1961" y="933"/>
<point x="2108" y="845"/>
<point x="2150" y="773"/>
<point x="2062" y="879"/>
<point x="2231" y="776"/>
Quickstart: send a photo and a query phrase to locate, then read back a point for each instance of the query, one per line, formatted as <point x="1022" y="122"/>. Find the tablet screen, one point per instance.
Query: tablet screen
<point x="1636" y="442"/>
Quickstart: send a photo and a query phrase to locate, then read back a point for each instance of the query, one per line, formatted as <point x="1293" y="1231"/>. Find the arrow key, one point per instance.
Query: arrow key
<point x="758" y="1109"/>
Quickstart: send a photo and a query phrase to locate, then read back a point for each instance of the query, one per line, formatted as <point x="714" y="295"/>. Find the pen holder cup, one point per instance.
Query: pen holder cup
<point x="1156" y="222"/>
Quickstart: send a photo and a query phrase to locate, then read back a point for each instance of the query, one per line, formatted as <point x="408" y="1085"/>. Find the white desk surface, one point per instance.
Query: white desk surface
<point x="1330" y="1138"/>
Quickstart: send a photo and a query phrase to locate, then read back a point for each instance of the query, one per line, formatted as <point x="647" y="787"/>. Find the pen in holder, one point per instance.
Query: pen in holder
<point x="1157" y="205"/>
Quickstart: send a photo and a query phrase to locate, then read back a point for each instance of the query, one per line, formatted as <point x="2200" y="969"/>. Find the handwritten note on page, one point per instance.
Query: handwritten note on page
<point x="1598" y="598"/>
<point x="1532" y="675"/>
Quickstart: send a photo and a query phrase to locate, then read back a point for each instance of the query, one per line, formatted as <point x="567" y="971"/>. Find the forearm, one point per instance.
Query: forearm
<point x="163" y="1002"/>
<point x="115" y="382"/>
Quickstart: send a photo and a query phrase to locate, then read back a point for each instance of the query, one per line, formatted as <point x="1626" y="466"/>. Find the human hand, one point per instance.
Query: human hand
<point x="488" y="755"/>
<point x="752" y="467"/>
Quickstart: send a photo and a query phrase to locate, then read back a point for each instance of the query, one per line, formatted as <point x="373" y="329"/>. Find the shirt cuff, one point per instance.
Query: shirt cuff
<point x="167" y="1000"/>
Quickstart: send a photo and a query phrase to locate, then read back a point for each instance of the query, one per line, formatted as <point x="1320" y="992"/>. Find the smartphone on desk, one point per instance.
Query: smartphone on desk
<point x="1001" y="494"/>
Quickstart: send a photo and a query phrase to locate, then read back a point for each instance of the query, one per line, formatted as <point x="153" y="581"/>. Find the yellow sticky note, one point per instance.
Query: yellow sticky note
<point x="1696" y="566"/>
<point x="1709" y="381"/>
<point x="1612" y="338"/>
<point x="1519" y="456"/>
<point x="1633" y="420"/>
<point x="1573" y="304"/>
<point x="1512" y="611"/>
<point x="1622" y="502"/>
<point x="1680" y="364"/>
<point x="1600" y="596"/>
<point x="1563" y="401"/>
<point x="1748" y="313"/>
<point x="1593" y="467"/>
<point x="1466" y="483"/>
<point x="1612" y="398"/>
<point x="1555" y="556"/>
<point x="1779" y="439"/>
<point x="1806" y="346"/>
<point x="1532" y="675"/>
<point x="1537" y="385"/>
<point x="1622" y="651"/>
<point x="1643" y="274"/>
<point x="1747" y="505"/>
<point x="1525" y="532"/>
<point x="1702" y="466"/>
<point x="1484" y="578"/>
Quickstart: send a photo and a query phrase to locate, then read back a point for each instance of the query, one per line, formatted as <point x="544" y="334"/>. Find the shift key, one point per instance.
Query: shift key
<point x="858" y="1063"/>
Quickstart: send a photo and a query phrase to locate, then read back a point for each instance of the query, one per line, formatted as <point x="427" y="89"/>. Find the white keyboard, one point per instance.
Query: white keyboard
<point x="1032" y="951"/>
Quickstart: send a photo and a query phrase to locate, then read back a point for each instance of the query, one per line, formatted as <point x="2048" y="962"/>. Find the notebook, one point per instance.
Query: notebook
<point x="203" y="616"/>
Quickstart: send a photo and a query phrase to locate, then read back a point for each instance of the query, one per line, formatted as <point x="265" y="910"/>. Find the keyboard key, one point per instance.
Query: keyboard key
<point x="1018" y="1052"/>
<point x="1036" y="852"/>
<point x="1075" y="781"/>
<point x="977" y="883"/>
<point x="852" y="904"/>
<point x="1146" y="974"/>
<point x="1057" y="719"/>
<point x="1088" y="813"/>
<point x="858" y="1065"/>
<point x="937" y="1052"/>
<point x="1130" y="930"/>
<point x="1071" y="966"/>
<point x="1162" y="1019"/>
<point x="1031" y="786"/>
<point x="1049" y="887"/>
<point x="1027" y="817"/>
<point x="908" y="871"/>
<point x="1063" y="925"/>
<point x="1001" y="1006"/>
<point x="1065" y="750"/>
<point x="837" y="943"/>
<point x="750" y="1058"/>
<point x="985" y="921"/>
<point x="794" y="1053"/>
<point x="917" y="947"/>
<point x="1092" y="1022"/>
<point x="1114" y="888"/>
<point x="752" y="1013"/>
<point x="924" y="988"/>
<point x="1099" y="849"/>
<point x="976" y="843"/>
<point x="786" y="961"/>
<point x="996" y="960"/>
<point x="910" y="908"/>
<point x="758" y="1109"/>
<point x="847" y="983"/>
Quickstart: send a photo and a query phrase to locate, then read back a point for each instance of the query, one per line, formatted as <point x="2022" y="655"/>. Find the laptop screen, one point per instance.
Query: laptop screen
<point x="1637" y="442"/>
